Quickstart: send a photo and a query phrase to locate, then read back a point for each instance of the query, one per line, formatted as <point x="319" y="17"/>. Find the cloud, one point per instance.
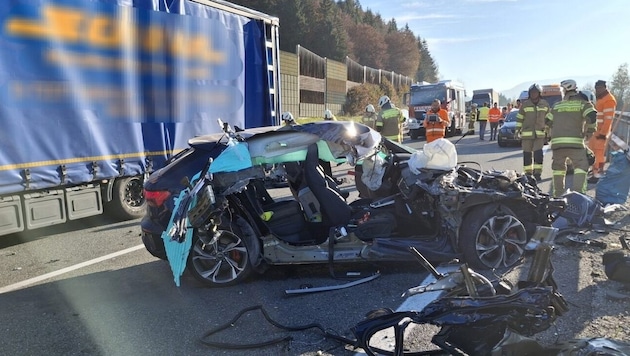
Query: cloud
<point x="433" y="16"/>
<point x="446" y="40"/>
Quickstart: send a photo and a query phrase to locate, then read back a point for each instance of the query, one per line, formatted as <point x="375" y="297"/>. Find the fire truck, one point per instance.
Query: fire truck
<point x="452" y="96"/>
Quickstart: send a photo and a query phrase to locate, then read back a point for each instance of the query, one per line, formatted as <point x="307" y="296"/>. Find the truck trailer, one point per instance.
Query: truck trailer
<point x="98" y="94"/>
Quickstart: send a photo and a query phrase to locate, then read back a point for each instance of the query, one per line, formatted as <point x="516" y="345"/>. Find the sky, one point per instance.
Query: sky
<point x="503" y="43"/>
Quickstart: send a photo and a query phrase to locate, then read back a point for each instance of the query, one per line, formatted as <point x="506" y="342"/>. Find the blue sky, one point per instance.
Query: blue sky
<point x="502" y="43"/>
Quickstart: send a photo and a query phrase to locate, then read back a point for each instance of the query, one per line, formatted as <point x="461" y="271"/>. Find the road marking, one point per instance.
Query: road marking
<point x="28" y="282"/>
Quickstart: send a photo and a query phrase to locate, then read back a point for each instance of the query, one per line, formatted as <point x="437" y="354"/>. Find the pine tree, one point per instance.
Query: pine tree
<point x="427" y="69"/>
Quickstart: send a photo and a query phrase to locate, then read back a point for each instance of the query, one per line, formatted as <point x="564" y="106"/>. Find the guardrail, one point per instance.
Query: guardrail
<point x="622" y="127"/>
<point x="621" y="131"/>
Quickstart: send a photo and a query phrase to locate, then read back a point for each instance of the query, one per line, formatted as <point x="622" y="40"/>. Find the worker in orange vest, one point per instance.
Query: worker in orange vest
<point x="494" y="115"/>
<point x="605" y="106"/>
<point x="436" y="121"/>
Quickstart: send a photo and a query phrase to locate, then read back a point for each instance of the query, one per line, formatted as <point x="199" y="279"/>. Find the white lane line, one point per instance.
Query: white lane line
<point x="28" y="282"/>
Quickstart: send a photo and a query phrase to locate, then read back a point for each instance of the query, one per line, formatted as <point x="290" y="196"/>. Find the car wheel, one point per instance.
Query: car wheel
<point x="501" y="143"/>
<point x="413" y="135"/>
<point x="492" y="237"/>
<point x="220" y="258"/>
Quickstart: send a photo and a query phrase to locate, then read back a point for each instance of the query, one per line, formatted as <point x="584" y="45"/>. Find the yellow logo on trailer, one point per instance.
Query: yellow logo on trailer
<point x="75" y="26"/>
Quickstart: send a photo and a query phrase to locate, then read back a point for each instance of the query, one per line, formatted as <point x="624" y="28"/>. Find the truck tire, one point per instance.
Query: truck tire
<point x="127" y="198"/>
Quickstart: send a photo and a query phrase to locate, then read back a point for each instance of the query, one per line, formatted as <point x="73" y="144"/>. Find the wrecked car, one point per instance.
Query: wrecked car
<point x="225" y="224"/>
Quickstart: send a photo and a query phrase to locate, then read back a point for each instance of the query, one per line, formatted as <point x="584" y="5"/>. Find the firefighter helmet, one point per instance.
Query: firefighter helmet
<point x="370" y="108"/>
<point x="287" y="117"/>
<point x="568" y="85"/>
<point x="588" y="95"/>
<point x="535" y="87"/>
<point x="383" y="100"/>
<point x="328" y="115"/>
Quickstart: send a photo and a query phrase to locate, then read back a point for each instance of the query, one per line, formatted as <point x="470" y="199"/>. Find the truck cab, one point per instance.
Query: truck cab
<point x="552" y="93"/>
<point x="419" y="99"/>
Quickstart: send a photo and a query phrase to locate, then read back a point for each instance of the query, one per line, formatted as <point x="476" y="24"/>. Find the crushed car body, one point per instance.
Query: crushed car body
<point x="445" y="211"/>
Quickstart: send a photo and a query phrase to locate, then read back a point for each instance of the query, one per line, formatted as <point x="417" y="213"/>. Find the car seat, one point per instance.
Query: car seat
<point x="334" y="209"/>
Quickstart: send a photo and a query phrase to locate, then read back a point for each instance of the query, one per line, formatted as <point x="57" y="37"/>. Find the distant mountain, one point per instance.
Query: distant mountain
<point x="514" y="92"/>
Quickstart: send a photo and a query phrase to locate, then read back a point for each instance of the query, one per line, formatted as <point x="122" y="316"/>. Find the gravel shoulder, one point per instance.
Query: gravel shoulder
<point x="599" y="307"/>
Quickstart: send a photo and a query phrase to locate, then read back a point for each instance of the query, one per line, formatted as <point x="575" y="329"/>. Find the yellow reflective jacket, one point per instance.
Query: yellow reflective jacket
<point x="567" y="121"/>
<point x="531" y="119"/>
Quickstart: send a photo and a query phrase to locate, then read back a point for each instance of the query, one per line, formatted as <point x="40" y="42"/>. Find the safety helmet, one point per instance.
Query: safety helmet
<point x="568" y="85"/>
<point x="474" y="105"/>
<point x="589" y="95"/>
<point x="383" y="100"/>
<point x="328" y="114"/>
<point x="370" y="108"/>
<point x="287" y="117"/>
<point x="536" y="87"/>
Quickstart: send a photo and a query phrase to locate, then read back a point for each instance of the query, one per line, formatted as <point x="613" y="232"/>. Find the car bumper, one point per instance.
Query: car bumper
<point x="508" y="138"/>
<point x="152" y="237"/>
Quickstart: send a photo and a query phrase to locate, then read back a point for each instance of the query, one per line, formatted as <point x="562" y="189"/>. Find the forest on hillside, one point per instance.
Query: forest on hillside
<point x="336" y="29"/>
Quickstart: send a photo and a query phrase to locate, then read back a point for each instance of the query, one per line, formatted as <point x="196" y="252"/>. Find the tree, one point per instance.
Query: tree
<point x="352" y="8"/>
<point x="620" y="87"/>
<point x="293" y="23"/>
<point x="368" y="46"/>
<point x="327" y="36"/>
<point x="427" y="69"/>
<point x="404" y="55"/>
<point x="503" y="100"/>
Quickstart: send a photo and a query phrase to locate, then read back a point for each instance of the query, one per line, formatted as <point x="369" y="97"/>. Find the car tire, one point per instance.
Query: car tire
<point x="491" y="236"/>
<point x="222" y="261"/>
<point x="413" y="135"/>
<point x="127" y="199"/>
<point x="501" y="143"/>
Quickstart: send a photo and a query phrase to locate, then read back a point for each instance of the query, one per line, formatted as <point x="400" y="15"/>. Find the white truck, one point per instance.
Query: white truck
<point x="481" y="96"/>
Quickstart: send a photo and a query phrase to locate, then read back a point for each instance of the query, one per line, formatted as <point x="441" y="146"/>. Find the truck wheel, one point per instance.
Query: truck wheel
<point x="127" y="198"/>
<point x="491" y="236"/>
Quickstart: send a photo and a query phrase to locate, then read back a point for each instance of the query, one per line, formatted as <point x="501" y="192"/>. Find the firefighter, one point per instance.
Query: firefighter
<point x="328" y="115"/>
<point x="484" y="111"/>
<point x="436" y="121"/>
<point x="369" y="117"/>
<point x="389" y="120"/>
<point x="474" y="113"/>
<point x="288" y="119"/>
<point x="568" y="121"/>
<point x="530" y="125"/>
<point x="605" y="107"/>
<point x="494" y="116"/>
